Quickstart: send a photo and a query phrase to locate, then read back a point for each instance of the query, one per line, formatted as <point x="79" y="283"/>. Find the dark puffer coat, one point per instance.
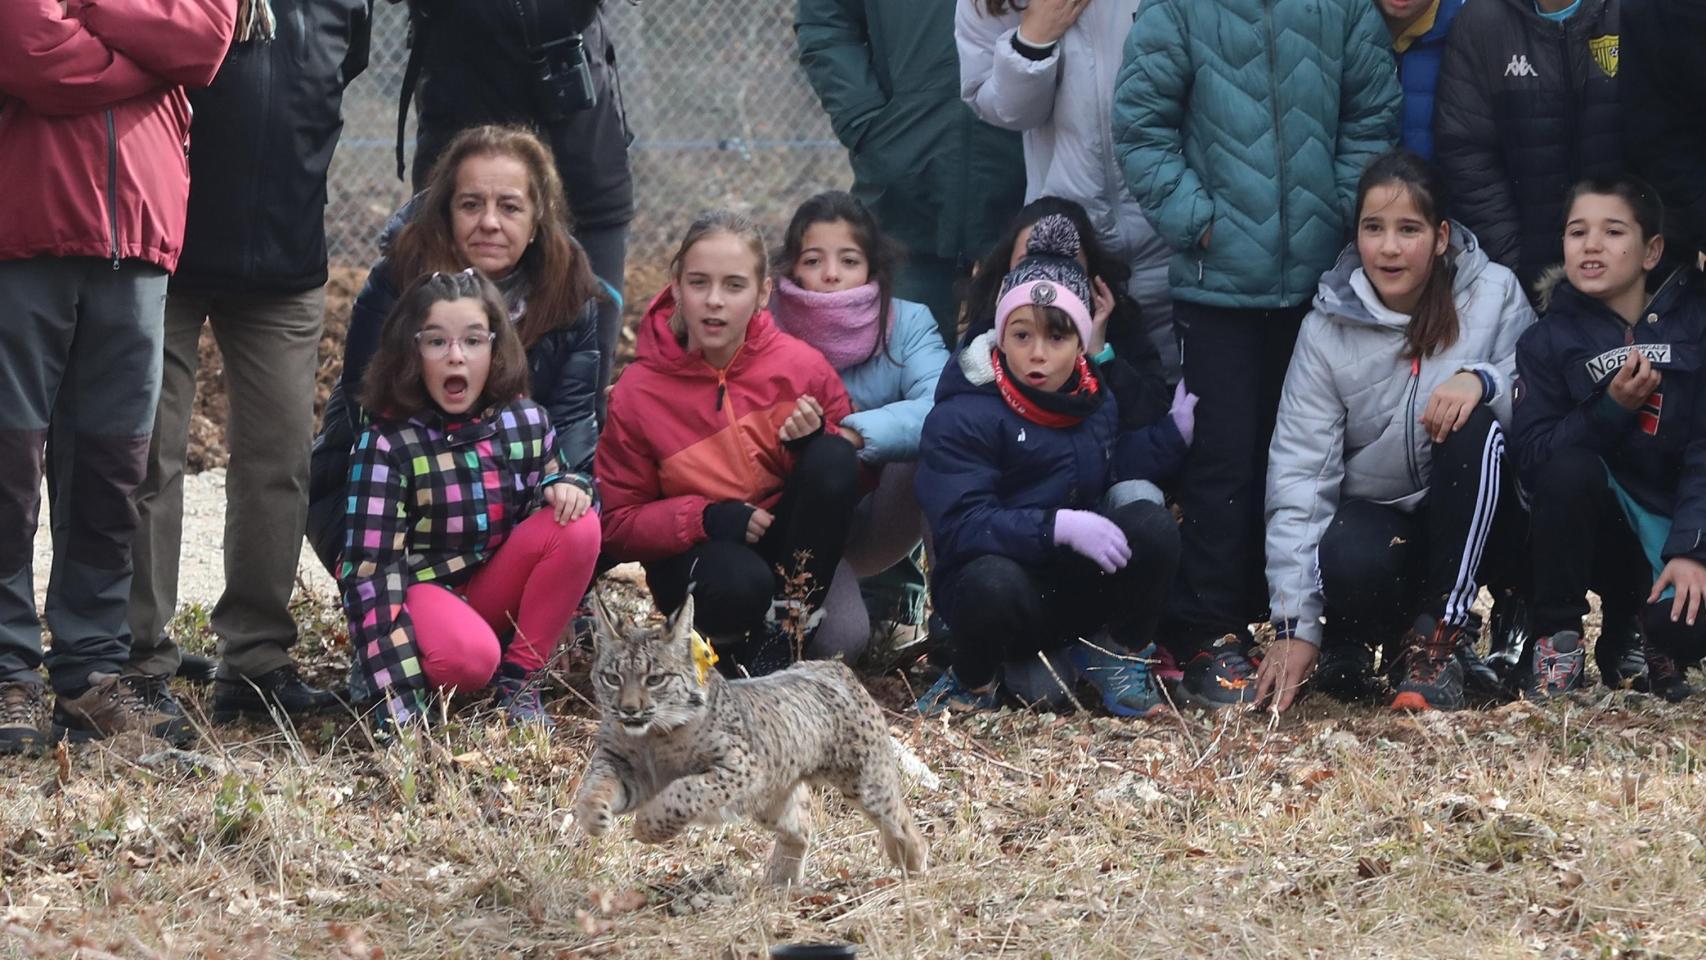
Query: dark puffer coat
<point x="1525" y="107"/>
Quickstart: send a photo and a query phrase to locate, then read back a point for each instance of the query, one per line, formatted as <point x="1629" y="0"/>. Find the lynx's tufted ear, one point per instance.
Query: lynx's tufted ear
<point x="604" y="626"/>
<point x="681" y="627"/>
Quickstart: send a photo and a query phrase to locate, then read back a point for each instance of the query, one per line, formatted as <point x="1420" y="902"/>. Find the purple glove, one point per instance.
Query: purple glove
<point x="1184" y="412"/>
<point x="1093" y="537"/>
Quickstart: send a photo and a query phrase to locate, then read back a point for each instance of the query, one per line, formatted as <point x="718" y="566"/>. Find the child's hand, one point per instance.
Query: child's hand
<point x="758" y="524"/>
<point x="1094" y="537"/>
<point x="806" y="419"/>
<point x="1184" y="412"/>
<point x="567" y="501"/>
<point x="1102" y="307"/>
<point x="1689" y="579"/>
<point x="1635" y="381"/>
<point x="1045" y="21"/>
<point x="1285" y="665"/>
<point x="1450" y="405"/>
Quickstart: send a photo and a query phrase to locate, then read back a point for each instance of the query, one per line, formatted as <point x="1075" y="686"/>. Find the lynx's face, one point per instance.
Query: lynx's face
<point x="645" y="679"/>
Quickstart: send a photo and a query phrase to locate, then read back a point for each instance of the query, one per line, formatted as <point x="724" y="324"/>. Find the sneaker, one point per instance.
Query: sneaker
<point x="1433" y="673"/>
<point x="1125" y="681"/>
<point x="1220" y="675"/>
<point x="1622" y="661"/>
<point x="23" y="719"/>
<point x="1346" y="672"/>
<point x="113" y="705"/>
<point x="1039" y="687"/>
<point x="1483" y="685"/>
<point x="1664" y="675"/>
<point x="280" y="690"/>
<point x="1557" y="665"/>
<point x="946" y="694"/>
<point x="1508" y="637"/>
<point x="518" y="697"/>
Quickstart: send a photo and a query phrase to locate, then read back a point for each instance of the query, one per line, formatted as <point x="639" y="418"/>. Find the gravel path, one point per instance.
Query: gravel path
<point x="201" y="574"/>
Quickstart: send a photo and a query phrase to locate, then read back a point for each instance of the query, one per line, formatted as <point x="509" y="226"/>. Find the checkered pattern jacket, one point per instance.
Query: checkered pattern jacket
<point x="431" y="499"/>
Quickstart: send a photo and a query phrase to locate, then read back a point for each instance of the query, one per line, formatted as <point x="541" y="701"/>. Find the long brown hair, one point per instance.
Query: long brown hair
<point x="1433" y="325"/>
<point x="560" y="281"/>
<point x="393" y="387"/>
<point x="742" y="228"/>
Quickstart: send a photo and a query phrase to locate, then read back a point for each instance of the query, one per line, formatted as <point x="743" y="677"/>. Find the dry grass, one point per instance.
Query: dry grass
<point x="1570" y="831"/>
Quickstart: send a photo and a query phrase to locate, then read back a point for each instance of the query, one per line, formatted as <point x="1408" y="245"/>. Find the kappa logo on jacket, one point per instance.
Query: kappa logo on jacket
<point x="1609" y="362"/>
<point x="1520" y="67"/>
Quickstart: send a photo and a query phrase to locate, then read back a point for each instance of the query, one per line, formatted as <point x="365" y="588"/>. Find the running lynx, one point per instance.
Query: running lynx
<point x="679" y="744"/>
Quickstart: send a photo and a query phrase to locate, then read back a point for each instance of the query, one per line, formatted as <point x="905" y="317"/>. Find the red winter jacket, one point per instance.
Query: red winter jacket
<point x="94" y="124"/>
<point x="683" y="435"/>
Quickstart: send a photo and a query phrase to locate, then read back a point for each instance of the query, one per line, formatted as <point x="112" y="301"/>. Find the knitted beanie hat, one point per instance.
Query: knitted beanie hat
<point x="1049" y="276"/>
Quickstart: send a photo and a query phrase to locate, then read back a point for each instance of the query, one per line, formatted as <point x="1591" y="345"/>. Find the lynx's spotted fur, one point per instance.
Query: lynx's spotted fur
<point x="680" y="745"/>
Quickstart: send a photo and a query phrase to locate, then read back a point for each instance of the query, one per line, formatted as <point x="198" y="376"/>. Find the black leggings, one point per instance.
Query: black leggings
<point x="1004" y="610"/>
<point x="1381" y="567"/>
<point x="1583" y="541"/>
<point x="735" y="584"/>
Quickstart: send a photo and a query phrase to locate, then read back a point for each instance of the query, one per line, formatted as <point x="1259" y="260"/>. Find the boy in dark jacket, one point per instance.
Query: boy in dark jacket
<point x="1020" y="452"/>
<point x="1526" y="106"/>
<point x="1610" y="433"/>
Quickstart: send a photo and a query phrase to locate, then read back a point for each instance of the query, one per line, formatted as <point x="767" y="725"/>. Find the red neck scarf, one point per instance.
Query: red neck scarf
<point x="1066" y="407"/>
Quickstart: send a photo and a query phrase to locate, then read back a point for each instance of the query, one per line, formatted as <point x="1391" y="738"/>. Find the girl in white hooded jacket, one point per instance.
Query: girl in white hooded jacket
<point x="1047" y="69"/>
<point x="1388" y="494"/>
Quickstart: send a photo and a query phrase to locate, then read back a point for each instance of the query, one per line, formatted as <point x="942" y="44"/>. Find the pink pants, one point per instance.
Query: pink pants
<point x="531" y="584"/>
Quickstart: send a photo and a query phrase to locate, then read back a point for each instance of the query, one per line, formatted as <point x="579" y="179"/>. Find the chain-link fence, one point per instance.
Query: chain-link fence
<point x="721" y="112"/>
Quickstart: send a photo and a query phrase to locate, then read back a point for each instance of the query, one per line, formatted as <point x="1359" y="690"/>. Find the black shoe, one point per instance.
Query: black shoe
<point x="1220" y="674"/>
<point x="1346" y="672"/>
<point x="196" y="668"/>
<point x="1665" y="676"/>
<point x="1482" y="684"/>
<point x="1620" y="655"/>
<point x="280" y="690"/>
<point x="1508" y="638"/>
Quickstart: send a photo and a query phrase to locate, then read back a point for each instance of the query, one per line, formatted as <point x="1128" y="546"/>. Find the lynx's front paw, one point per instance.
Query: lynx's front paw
<point x="594" y="815"/>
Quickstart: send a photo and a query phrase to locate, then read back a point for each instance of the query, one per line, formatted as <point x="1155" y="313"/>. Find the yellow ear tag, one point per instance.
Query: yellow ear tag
<point x="704" y="657"/>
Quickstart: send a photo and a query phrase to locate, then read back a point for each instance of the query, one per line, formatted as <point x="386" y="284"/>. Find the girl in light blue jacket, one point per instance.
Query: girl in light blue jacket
<point x="835" y="277"/>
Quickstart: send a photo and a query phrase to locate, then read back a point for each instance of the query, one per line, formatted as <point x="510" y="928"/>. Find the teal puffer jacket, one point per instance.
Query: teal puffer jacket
<point x="1255" y="118"/>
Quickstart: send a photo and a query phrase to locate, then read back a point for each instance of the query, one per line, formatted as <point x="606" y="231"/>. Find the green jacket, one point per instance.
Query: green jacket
<point x="1255" y="117"/>
<point x="939" y="180"/>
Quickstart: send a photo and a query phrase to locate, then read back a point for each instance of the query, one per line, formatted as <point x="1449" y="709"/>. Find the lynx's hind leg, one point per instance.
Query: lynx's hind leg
<point x="791" y="818"/>
<point x="875" y="789"/>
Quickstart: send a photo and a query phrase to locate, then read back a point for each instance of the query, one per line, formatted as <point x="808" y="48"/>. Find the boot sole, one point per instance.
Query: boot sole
<point x="25" y="746"/>
<point x="266" y="712"/>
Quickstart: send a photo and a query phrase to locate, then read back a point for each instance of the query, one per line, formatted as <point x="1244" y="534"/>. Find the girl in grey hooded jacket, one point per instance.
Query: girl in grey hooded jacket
<point x="1058" y="90"/>
<point x="1386" y="469"/>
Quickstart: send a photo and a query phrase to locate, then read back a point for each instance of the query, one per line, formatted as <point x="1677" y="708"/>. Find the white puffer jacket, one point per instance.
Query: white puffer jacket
<point x="1064" y="107"/>
<point x="1347" y="426"/>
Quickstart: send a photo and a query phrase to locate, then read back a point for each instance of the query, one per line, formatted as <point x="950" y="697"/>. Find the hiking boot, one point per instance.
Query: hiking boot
<point x="1220" y="675"/>
<point x="518" y="697"/>
<point x="1126" y="681"/>
<point x="23" y="719"/>
<point x="1433" y="673"/>
<point x="1557" y="665"/>
<point x="1346" y="672"/>
<point x="1482" y="684"/>
<point x="1665" y="676"/>
<point x="946" y="694"/>
<point x="279" y="691"/>
<point x="197" y="669"/>
<point x="113" y="705"/>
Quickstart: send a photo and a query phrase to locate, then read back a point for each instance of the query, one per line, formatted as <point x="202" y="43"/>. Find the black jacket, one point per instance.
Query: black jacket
<point x="1662" y="83"/>
<point x="1526" y="107"/>
<point x="260" y="144"/>
<point x="475" y="69"/>
<point x="563" y="375"/>
<point x="1564" y="365"/>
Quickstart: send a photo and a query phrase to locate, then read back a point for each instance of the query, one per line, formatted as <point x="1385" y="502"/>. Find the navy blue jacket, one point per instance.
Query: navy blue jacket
<point x="990" y="481"/>
<point x="1418" y="74"/>
<point x="1565" y="363"/>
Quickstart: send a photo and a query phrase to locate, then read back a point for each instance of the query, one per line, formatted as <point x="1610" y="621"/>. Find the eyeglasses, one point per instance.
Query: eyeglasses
<point x="436" y="346"/>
